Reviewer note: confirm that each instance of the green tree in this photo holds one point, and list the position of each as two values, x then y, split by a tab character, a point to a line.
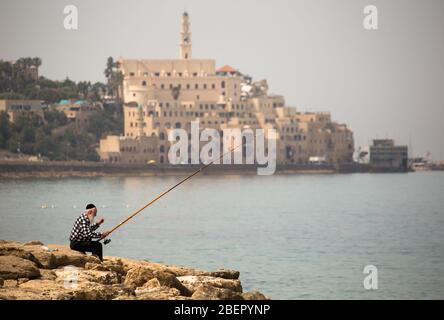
5	129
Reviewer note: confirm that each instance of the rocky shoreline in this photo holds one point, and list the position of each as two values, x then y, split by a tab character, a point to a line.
34	271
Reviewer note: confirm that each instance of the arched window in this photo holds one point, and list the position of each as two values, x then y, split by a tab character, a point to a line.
177	125
162	149
143	83
162	136
161	159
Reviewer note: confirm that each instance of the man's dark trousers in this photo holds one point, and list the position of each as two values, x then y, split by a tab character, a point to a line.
95	247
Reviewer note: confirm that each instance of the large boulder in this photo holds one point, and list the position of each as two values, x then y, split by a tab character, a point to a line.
46	274
42	254
225	273
13	267
18	250
137	276
64	256
157	293
193	282
46	290
33	243
169	280
80	275
207	292
254	295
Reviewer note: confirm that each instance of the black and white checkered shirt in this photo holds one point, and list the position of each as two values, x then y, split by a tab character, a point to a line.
83	230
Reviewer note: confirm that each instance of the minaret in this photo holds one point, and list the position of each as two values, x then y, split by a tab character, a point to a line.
185	38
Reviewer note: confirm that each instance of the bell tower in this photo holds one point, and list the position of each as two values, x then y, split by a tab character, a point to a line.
185	38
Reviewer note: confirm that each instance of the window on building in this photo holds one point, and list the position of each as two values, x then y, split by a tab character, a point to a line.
144	83
222	84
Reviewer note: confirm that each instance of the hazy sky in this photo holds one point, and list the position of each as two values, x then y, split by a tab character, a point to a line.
383	83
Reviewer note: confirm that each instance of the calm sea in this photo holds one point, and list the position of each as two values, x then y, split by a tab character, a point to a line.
291	237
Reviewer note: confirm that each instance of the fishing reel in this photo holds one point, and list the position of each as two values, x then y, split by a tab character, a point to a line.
106	241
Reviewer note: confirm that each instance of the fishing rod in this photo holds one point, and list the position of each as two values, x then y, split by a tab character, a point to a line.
106	241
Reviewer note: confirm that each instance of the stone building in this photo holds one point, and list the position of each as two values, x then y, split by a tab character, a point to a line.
163	94
385	154
17	107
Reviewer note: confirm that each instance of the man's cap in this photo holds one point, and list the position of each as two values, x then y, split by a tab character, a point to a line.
90	206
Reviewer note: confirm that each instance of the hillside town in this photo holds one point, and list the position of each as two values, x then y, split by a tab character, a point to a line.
128	119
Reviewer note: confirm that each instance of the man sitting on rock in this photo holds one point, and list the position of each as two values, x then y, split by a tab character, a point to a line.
82	233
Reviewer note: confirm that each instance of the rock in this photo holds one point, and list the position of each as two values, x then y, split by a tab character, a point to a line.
137	276
207	292
64	256
46	274
46	290
17	249
152	283
35	271
225	273
115	265
46	259
192	282
10	283
13	267
254	295
169	280
94	291
80	275
96	266
33	243
158	293
22	294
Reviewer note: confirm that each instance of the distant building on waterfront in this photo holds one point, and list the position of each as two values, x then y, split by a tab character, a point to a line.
18	107
76	111
384	154
162	94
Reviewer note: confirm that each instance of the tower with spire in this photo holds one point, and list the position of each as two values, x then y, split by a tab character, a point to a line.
185	38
